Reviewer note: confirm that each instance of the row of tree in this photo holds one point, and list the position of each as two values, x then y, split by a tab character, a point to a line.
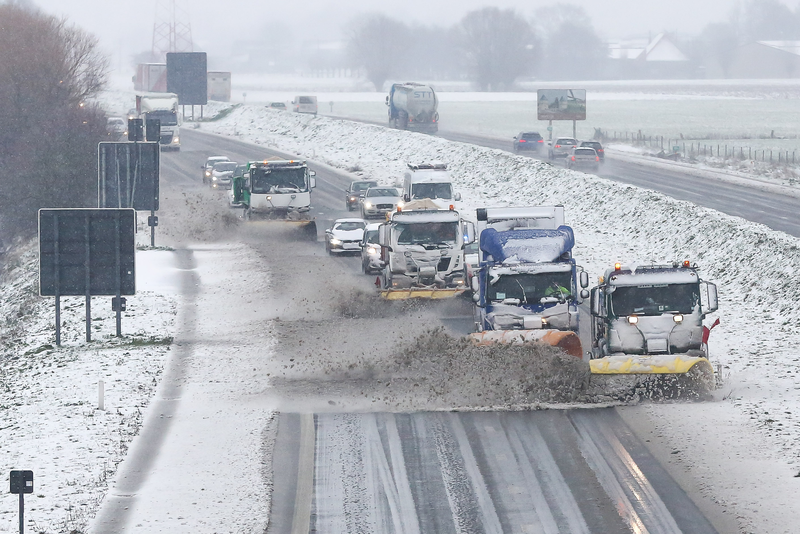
492	46
49	70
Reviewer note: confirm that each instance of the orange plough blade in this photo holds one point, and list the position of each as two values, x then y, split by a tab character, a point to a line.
567	341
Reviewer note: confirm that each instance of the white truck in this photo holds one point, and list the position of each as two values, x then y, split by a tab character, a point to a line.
429	181
412	106
648	319
422	252
163	107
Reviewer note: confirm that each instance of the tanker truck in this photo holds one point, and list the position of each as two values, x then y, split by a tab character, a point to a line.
528	285
412	106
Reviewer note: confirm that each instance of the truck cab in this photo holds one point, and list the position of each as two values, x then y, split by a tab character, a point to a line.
429	181
277	189
527	278
423	247
651	310
164	108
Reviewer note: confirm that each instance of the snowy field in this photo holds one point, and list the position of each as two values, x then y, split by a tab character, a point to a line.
758	408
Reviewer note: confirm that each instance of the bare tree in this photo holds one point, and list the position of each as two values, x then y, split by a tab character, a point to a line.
769	20
498	46
719	40
48	72
379	45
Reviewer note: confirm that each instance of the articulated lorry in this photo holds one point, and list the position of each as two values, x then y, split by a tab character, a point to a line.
412	106
277	190
648	319
164	108
528	285
422	252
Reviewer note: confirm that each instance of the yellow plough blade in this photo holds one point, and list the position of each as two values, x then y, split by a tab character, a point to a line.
567	341
649	364
420	293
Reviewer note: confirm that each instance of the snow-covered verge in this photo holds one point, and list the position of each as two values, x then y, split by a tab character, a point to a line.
50	421
755	268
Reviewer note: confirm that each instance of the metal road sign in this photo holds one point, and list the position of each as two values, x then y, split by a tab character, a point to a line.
128	175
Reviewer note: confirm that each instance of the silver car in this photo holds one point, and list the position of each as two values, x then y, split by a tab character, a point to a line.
370	250
378	201
222	174
562	147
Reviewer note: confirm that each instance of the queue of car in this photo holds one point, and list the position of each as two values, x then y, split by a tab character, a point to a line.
574	153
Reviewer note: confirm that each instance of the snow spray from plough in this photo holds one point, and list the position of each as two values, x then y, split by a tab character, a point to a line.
527	286
422	250
648	320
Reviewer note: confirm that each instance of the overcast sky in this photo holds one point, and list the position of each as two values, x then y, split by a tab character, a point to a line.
125	27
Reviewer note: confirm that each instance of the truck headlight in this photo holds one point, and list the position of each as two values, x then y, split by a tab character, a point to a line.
632	319
176	140
372	250
678	318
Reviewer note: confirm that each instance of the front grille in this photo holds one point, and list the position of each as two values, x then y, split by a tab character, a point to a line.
166	139
384	206
444	264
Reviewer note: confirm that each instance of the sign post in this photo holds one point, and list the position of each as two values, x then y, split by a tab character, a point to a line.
21	482
87	252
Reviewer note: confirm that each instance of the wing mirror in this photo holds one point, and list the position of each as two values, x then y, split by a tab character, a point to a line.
457	197
584	281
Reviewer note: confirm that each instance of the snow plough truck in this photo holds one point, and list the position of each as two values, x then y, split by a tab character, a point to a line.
277	190
422	251
648	319
527	287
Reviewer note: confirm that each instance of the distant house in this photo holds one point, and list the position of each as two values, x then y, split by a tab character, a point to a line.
658	57
766	59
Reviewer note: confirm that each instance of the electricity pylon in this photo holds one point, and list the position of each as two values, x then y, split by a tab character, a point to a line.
171	30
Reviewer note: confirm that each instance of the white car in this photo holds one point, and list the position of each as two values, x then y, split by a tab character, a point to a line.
370	250
209	165
345	236
378	201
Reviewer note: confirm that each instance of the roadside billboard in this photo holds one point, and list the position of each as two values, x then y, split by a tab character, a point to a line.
187	77
561	104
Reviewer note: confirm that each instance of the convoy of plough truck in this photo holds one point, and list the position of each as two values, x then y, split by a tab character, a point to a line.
645	321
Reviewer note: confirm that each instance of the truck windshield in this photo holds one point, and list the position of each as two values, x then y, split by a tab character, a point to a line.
530	288
278	180
167	118
427	233
654	299
432	190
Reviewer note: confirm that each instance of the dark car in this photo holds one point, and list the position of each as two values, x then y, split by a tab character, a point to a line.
597	148
277	105
528	141
355	192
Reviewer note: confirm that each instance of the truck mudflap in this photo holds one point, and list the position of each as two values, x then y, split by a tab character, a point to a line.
650	364
566	340
421	293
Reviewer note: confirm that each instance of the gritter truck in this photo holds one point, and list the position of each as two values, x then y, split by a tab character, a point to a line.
422	251
413	106
528	285
648	319
278	190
